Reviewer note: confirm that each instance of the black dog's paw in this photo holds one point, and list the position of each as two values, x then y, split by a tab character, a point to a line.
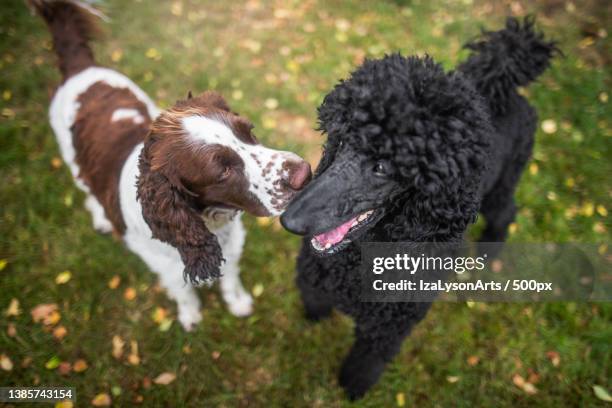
358	375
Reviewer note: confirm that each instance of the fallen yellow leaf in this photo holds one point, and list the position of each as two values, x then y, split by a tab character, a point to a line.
13	308
3	263
101	400
257	290
64	404
116	55
159	315
56	162
400	398
264	221
52	319
63	277
114	282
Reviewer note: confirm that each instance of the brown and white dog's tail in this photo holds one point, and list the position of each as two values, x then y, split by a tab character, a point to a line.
72	24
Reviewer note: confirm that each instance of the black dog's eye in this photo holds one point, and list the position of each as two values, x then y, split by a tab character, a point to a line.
380	169
340	144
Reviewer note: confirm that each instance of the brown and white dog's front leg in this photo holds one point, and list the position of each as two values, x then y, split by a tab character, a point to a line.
238	300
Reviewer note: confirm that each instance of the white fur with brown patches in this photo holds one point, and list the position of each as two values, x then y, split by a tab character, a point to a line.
124	114
263	167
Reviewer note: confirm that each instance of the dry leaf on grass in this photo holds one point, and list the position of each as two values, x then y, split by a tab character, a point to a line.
118	344
63	277
79	366
257	290
5	362
60	332
400	398
101	400
25	363
554	358
133	358
164	378
43	312
11	330
129	294
114	282
13	308
53	363
56	162
473	360
64	368
527	387
601	393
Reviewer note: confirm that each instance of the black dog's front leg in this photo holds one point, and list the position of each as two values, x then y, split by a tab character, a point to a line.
367	359
317	305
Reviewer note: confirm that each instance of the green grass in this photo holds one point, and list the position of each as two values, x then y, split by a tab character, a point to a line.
293	53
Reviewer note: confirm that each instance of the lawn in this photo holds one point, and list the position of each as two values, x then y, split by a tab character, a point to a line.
274	61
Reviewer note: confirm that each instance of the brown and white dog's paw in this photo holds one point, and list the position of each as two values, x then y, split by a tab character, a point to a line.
189	316
240	303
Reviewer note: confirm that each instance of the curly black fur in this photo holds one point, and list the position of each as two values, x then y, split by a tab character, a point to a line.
444	151
502	60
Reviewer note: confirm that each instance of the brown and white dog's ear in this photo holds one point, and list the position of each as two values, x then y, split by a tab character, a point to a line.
168	209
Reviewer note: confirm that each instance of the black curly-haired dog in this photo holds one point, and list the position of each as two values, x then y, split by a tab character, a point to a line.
413	153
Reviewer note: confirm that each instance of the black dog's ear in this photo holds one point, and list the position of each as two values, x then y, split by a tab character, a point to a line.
169	211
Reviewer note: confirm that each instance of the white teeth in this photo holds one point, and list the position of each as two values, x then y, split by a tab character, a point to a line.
354	224
327	246
369	212
362	217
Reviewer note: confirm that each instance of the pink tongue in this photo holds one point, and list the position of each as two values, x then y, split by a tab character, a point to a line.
334	236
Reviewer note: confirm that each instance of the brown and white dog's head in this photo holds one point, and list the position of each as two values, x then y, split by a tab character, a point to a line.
200	155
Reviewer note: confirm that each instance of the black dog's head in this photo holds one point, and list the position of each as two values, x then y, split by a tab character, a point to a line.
405	153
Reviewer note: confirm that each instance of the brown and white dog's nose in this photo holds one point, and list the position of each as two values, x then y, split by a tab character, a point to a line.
298	174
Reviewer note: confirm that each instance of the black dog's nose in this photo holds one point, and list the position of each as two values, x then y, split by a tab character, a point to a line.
292	221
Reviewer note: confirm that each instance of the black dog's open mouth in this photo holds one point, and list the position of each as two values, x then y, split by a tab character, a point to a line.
338	238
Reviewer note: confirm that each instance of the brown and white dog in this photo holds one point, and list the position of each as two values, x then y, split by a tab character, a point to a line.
172	183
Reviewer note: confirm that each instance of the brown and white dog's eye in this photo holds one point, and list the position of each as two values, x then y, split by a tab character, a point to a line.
227	171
